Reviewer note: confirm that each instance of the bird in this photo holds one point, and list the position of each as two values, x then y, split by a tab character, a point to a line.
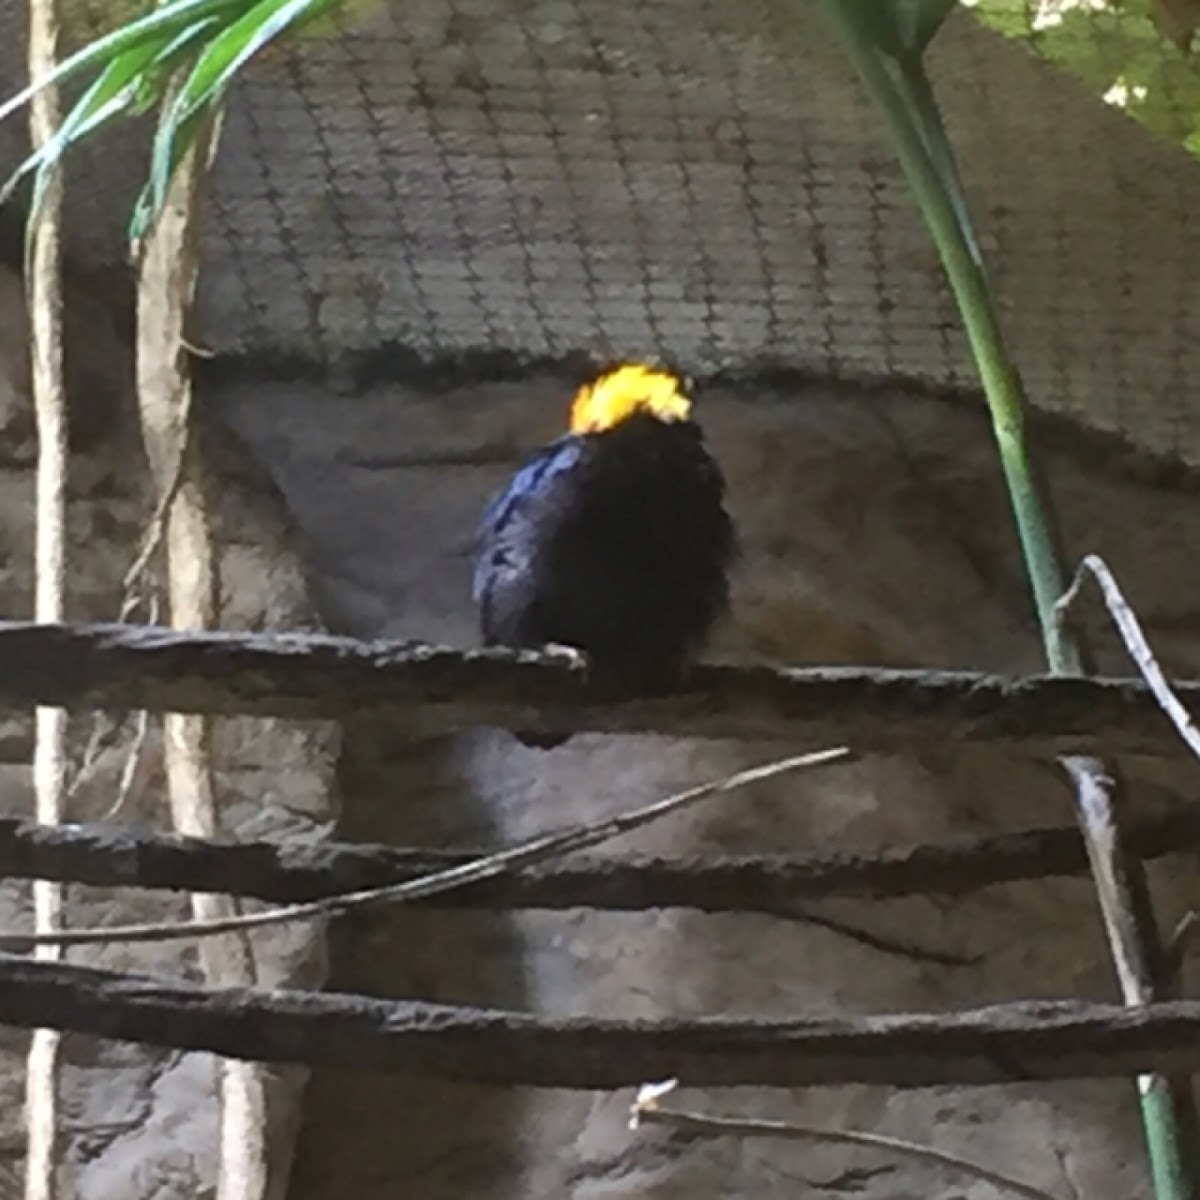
613	540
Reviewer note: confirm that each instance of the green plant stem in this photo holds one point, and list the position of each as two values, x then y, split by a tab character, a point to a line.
936	198
928	163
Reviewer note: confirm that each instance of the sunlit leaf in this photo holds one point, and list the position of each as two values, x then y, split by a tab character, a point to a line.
1120	54
231	49
114	91
151	86
168	153
169	20
204	43
215	67
108	96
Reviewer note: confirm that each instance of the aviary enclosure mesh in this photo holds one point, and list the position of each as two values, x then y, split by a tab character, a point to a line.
695	178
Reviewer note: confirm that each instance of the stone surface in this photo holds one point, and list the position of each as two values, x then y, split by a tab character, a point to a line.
875	529
141	1124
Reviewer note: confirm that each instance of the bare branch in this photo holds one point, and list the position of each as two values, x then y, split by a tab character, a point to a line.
441	689
647	1111
1145	969
108	856
1000	1044
1130	629
535	849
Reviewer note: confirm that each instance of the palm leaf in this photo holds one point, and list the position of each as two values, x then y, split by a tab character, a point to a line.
170	19
202	91
114	91
234	46
204	43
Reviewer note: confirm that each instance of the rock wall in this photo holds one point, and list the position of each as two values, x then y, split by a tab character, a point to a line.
875	529
140	1124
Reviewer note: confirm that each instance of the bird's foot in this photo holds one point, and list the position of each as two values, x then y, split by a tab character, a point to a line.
572	654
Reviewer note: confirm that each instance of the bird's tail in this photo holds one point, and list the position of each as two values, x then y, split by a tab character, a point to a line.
646	680
540	741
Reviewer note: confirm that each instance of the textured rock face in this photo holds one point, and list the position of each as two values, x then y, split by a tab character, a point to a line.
141	1124
875	529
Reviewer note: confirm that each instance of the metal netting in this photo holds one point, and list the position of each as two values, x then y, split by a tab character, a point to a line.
693	178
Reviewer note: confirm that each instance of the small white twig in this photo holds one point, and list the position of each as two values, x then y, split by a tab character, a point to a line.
647	1111
129	771
535	849
104	726
1131	633
1185	933
156	527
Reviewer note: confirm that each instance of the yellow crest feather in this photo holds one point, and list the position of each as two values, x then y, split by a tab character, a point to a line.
619	394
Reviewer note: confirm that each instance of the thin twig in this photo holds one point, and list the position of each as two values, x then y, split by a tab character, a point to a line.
135	591
104	855
1126	906
533	850
129	771
899	947
1135	642
1146	971
45	303
1179	946
646	1110
104	727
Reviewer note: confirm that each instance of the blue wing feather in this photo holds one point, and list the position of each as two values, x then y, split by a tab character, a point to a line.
537	471
532	477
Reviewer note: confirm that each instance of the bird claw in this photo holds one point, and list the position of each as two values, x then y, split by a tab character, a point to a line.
572	654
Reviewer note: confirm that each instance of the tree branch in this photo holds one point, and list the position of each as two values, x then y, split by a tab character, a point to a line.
648	1111
1000	1044
441	689
109	856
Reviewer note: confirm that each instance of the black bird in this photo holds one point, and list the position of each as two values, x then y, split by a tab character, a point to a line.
613	540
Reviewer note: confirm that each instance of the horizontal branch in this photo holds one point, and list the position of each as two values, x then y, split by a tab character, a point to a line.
110	856
1000	1044
293	675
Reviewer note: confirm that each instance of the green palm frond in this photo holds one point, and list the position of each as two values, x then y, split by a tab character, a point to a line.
182	56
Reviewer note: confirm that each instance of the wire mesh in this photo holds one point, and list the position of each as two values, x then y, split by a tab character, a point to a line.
688	178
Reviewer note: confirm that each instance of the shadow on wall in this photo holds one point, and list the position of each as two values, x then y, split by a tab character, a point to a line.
386	561
874	528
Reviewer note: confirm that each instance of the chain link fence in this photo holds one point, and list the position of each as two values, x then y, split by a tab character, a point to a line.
690	178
